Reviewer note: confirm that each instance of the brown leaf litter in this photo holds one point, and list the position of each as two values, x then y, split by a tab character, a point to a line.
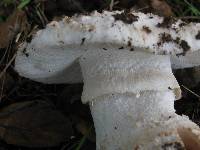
160	7
15	23
34	124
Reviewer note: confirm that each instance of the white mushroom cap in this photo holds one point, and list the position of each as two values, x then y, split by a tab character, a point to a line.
52	56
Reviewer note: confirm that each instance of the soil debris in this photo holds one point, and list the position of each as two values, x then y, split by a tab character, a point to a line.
198	36
126	17
166	23
175	145
184	46
146	29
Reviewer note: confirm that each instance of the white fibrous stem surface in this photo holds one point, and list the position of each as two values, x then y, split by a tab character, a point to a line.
133	105
51	56
127	122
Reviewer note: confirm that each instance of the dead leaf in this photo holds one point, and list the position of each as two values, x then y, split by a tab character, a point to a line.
161	7
33	124
85	127
17	22
6	82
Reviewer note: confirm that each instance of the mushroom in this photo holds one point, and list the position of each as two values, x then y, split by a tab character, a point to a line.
124	60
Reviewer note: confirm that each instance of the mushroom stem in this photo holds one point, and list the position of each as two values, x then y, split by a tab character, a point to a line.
131	101
125	121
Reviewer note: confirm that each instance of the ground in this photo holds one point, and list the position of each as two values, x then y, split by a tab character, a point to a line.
27	107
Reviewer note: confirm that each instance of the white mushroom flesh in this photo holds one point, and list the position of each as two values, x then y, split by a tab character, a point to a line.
52	55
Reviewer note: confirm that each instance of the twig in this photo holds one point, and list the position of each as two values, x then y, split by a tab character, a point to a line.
8	65
6	51
189	17
39	14
43	15
143	8
2	88
111	5
190	91
84	139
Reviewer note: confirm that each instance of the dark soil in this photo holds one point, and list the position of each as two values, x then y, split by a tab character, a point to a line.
67	98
